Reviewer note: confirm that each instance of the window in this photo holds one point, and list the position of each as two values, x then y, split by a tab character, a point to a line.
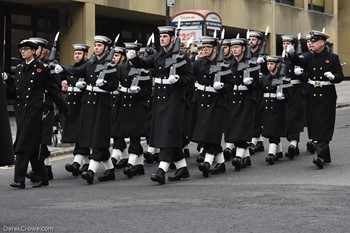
287	2
316	5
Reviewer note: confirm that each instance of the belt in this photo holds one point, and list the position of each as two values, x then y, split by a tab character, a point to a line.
204	88
115	92
269	95
124	89
162	81
240	88
320	83
73	89
95	89
295	81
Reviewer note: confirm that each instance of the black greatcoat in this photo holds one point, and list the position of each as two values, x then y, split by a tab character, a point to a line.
168	105
134	109
31	82
241	105
208	109
6	146
274	110
73	99
95	125
322	99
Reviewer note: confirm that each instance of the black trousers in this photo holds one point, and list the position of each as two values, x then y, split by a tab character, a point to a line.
171	154
241	144
119	143
213	149
21	166
275	140
81	150
322	148
135	146
293	136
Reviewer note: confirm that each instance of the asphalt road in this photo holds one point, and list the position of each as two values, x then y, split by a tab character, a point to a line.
290	196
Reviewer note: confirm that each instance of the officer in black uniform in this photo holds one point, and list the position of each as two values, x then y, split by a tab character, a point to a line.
324	70
32	79
96	114
209	106
72	122
169	102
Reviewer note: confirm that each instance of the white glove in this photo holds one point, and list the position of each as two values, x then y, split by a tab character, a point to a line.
58	69
298	70
247	80
4	76
131	54
260	60
260	75
279	96
135	89
100	82
218	85
290	49
329	75
173	78
80	84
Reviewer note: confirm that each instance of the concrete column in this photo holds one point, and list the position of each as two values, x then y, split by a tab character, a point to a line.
81	30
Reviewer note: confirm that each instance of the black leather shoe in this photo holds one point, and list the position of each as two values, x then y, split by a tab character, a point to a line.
318	162
311	147
237	163
246	162
187	153
107	175
251	148
32	177
227	154
49	172
88	176
204	168
41	183
270	159
128	170
218	168
138	170
19	185
297	151
278	155
259	147
200	158
159	176
84	168
179	173
73	168
121	163
292	151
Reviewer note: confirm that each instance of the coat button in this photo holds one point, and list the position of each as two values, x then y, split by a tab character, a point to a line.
33	73
94	102
208	105
31	81
88	102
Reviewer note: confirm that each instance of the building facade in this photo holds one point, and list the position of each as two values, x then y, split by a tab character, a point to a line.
79	20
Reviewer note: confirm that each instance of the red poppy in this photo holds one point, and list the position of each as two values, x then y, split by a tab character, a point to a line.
38	70
327	61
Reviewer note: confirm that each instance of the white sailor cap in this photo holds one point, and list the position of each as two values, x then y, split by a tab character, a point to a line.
238	41
166	30
226	42
288	38
102	39
255	34
40	41
81	47
271	58
119	49
208	40
133	45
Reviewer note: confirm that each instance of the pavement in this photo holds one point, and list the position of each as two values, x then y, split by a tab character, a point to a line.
343	92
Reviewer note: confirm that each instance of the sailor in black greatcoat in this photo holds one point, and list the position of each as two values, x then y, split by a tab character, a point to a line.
323	69
135	87
209	106
275	94
32	81
72	122
168	104
95	126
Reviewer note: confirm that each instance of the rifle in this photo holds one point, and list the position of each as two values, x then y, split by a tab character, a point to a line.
149	45
220	57
107	62
3	48
176	51
299	51
53	51
262	51
248	56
